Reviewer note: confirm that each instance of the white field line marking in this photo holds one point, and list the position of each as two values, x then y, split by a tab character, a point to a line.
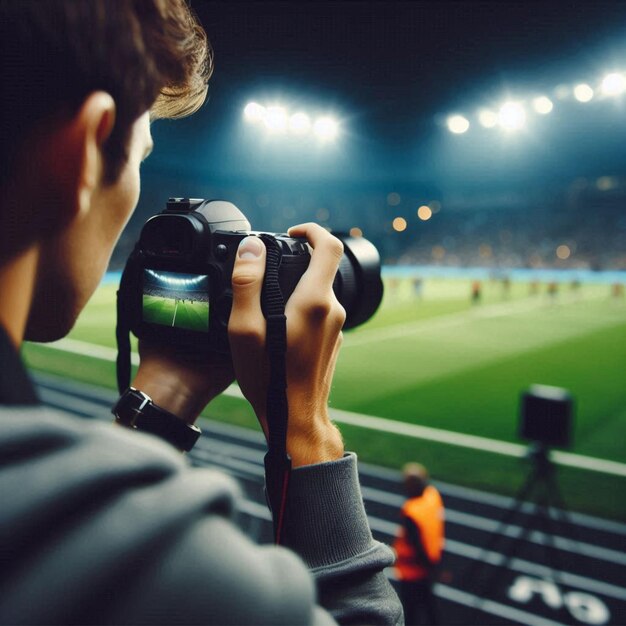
472	441
398	331
175	309
380	424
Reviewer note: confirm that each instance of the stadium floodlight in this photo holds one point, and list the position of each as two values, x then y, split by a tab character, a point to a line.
512	116
543	105
613	84
254	112
326	128
487	118
300	123
171	280
583	92
458	124
275	119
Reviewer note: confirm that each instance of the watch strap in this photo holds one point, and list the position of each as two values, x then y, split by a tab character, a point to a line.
135	409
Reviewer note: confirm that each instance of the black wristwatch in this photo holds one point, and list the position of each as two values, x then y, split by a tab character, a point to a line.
135	409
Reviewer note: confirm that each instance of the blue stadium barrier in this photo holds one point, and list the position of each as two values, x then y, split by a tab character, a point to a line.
515	274
482	273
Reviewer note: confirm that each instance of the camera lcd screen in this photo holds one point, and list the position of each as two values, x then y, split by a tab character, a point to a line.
176	300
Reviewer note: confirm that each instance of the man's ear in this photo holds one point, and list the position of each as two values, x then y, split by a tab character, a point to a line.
66	155
91	127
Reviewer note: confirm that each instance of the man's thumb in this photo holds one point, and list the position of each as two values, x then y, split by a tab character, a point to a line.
249	268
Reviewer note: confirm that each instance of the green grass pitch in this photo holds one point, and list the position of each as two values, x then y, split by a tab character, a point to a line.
439	361
179	314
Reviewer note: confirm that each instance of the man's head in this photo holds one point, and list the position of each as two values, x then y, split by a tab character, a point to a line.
415	479
82	80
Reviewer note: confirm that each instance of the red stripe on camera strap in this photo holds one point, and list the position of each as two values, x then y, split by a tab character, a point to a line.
277	461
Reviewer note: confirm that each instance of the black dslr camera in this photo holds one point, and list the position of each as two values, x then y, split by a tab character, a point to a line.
176	287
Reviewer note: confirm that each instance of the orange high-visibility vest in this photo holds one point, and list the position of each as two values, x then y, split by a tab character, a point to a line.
427	513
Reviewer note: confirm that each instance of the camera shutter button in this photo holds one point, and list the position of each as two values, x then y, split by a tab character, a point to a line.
221	252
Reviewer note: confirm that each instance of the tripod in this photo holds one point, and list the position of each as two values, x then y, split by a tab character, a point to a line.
541	492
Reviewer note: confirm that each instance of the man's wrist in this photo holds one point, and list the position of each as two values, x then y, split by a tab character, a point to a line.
313	446
169	392
136	410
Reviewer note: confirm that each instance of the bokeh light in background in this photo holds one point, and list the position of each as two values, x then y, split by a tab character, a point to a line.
583	92
458	124
254	112
399	224
563	252
326	128
511	116
393	199
543	105
435	206
487	118
275	119
424	212
613	84
300	123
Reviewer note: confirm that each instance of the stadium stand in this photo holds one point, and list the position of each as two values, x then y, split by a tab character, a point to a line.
196	296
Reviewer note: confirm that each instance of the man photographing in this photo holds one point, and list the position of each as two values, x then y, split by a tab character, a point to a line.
100	523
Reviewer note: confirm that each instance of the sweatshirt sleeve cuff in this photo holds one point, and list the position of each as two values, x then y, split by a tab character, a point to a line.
325	520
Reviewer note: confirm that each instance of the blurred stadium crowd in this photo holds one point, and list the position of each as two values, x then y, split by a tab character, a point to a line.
531	238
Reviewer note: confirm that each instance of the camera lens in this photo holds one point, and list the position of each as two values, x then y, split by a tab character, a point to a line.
358	285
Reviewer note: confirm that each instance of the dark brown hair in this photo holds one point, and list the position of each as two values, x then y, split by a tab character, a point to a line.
148	54
415	479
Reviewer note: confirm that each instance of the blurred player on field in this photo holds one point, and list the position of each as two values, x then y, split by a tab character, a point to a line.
476	292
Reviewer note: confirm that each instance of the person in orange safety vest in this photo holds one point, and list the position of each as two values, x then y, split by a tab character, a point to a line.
419	545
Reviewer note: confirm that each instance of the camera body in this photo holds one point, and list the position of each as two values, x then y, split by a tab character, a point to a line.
546	416
176	287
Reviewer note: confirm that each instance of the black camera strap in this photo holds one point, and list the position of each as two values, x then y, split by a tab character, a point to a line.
277	461
122	327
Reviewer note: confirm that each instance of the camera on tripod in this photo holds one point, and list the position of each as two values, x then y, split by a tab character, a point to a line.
546	416
176	287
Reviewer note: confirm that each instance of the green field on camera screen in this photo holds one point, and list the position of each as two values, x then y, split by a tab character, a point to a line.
186	314
432	358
